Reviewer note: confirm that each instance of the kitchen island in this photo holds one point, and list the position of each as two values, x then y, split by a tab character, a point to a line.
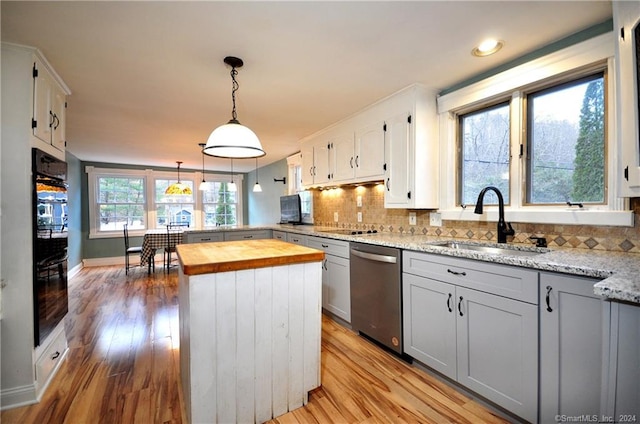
250	326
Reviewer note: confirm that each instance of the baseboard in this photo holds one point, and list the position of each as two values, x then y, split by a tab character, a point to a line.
18	396
75	270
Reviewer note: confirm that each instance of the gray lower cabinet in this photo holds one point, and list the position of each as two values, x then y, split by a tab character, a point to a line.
297	239
247	235
202	236
572	321
279	235
336	278
623	364
485	341
430	322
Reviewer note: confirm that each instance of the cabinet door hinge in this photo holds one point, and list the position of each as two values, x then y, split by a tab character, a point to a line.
384	128
409	195
35	71
409	119
34	123
622	33
626	173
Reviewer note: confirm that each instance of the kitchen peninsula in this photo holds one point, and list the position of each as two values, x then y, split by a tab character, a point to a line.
250	325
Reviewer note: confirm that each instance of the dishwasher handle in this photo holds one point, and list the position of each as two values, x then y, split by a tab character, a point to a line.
374	257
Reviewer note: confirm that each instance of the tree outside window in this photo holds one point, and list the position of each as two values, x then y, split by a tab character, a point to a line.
566	134
121	200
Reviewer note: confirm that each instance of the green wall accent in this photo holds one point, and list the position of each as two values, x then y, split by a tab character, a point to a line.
599	29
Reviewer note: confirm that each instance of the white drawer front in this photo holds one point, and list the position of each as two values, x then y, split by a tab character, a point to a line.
247	235
50	358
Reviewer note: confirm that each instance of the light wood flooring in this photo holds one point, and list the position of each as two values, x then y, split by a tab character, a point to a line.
122	366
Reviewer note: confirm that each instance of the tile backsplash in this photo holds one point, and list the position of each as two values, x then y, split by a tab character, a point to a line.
343	201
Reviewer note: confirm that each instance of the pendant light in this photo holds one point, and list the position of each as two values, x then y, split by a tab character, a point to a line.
233	140
232	186
204	185
178	189
256	187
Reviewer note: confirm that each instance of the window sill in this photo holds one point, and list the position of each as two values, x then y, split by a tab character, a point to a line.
573	216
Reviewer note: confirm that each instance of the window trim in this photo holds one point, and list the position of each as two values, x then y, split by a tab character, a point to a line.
150	176
512	84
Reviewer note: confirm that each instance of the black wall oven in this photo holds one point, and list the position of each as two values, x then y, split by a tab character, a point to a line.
49	243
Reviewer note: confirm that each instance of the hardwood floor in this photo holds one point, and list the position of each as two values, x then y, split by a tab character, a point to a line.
122	366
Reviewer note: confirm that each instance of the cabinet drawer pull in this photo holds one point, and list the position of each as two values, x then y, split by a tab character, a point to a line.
296	240
449	303
388	188
55	355
324	245
357	164
324	265
456	272
460	307
205	239
248	237
351	162
549	288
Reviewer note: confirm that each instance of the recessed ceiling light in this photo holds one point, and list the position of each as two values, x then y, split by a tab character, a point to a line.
487	47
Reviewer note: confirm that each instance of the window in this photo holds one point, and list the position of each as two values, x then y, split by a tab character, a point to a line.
561	147
566	143
134	196
173	209
220	206
484	152
120	201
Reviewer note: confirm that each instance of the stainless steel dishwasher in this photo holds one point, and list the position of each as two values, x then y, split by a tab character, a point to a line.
376	293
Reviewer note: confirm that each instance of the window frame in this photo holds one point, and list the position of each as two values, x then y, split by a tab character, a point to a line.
150	205
513	84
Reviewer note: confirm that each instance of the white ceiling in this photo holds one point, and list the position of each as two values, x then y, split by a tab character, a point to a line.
148	81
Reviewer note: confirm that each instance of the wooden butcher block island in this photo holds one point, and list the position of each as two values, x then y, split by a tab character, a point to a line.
250	326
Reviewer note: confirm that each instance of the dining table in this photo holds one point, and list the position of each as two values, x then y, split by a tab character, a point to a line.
155	239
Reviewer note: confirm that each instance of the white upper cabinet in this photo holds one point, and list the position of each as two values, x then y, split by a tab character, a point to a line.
411	150
49	106
393	140
626	21
342	153
315	162
369	157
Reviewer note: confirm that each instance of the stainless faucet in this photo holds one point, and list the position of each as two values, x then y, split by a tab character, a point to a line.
504	228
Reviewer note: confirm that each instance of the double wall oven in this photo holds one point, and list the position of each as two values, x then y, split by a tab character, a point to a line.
49	194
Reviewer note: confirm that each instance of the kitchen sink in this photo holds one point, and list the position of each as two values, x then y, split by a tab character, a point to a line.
492	249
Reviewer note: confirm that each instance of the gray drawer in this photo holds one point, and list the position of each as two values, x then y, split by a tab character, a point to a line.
503	280
247	235
202	236
330	246
279	235
297	239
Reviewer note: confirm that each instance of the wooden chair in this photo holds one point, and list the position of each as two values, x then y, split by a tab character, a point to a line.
172	229
128	250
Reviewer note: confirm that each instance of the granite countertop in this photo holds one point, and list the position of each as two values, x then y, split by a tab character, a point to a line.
207	258
620	272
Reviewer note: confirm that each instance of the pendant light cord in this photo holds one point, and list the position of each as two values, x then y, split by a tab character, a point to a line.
236	86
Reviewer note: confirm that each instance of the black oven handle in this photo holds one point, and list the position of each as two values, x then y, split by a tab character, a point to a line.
374	257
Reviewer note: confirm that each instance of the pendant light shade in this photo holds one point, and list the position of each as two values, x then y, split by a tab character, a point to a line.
178	189
233	140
